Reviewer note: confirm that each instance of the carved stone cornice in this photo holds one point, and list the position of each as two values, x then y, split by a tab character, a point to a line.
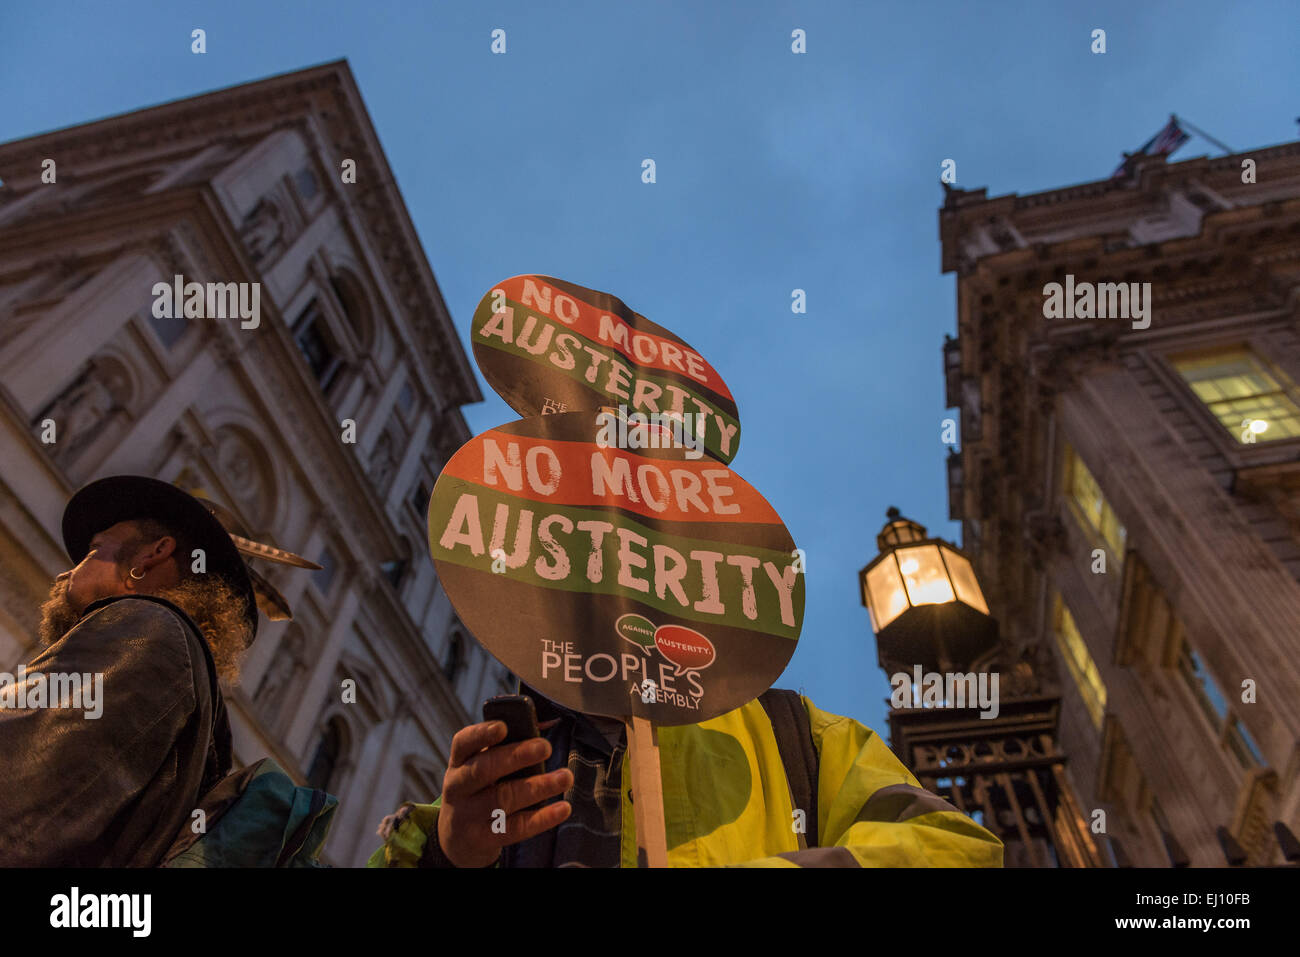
328	95
1058	362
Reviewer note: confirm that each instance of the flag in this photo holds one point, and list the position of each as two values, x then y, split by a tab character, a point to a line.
1170	137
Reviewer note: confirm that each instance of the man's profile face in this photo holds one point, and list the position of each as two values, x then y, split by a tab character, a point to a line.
103	574
100	573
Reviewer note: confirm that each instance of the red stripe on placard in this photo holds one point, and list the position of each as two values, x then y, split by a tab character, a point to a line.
587	320
679	491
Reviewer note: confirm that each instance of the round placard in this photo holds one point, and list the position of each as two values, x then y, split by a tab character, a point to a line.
545	345
616	581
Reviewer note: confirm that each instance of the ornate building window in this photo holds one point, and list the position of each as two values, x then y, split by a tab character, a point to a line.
395	572
1252	400
329	754
1091	507
1215	707
1080	664
1151	632
318	347
324	577
384	459
169	331
355	305
305	182
406	400
419	500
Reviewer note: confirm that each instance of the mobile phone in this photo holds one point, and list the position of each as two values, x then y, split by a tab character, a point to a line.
520	717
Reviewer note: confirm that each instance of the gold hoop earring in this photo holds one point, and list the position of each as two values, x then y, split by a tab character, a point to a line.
139	577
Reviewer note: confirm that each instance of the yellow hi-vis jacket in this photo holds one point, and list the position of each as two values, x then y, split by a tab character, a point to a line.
727	802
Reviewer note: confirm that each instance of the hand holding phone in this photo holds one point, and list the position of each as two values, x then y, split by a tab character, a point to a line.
520	717
495	786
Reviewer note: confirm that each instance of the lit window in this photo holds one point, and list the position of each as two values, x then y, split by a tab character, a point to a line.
1077	659
1252	402
1097	515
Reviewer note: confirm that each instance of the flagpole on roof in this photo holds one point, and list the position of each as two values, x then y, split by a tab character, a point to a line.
1201	133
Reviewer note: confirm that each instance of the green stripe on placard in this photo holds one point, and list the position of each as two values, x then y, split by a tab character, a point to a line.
712	441
577	545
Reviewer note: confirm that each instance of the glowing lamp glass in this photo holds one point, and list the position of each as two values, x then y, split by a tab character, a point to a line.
925	576
964	580
887	599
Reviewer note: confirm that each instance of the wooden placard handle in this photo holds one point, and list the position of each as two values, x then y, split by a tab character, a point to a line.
647	792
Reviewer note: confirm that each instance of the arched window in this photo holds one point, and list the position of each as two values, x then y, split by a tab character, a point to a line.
318	346
329	752
356	306
396	568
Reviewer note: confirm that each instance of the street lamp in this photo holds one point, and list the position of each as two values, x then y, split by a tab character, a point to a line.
924	600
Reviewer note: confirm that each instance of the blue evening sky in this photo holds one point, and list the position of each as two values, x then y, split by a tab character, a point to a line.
775	171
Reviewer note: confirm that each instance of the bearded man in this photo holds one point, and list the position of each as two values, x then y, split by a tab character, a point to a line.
160	603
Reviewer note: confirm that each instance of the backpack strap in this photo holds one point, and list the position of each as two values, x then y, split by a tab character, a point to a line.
794	740
299	837
215	803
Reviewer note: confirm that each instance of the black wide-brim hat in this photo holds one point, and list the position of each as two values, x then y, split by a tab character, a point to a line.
122	498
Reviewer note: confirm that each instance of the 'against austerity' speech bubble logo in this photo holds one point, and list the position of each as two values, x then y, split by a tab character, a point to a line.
684	647
637	629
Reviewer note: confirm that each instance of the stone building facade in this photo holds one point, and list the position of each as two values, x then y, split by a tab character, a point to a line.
248	185
1130	487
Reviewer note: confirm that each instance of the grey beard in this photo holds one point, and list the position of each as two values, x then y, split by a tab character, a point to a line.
57	614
